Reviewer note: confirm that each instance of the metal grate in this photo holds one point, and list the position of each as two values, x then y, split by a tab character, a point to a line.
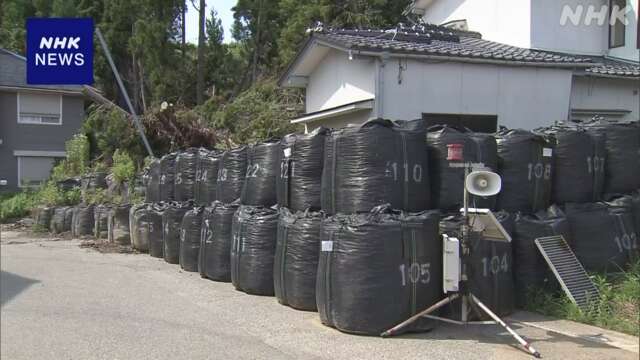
569	271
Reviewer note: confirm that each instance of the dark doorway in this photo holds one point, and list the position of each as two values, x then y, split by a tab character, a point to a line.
477	123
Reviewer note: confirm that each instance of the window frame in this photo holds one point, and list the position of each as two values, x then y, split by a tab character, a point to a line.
612	27
40	116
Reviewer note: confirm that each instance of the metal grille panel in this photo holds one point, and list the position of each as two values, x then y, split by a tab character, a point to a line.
569	271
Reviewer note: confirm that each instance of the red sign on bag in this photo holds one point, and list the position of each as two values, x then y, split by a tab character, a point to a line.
455	152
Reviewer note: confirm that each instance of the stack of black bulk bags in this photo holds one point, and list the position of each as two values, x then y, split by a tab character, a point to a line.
579	161
206	176
378	269
118	224
101	221
171	228
447	182
82	222
185	179
604	235
153	233
489	268
253	249
299	179
215	242
152	182
190	239
622	164
296	258
525	162
378	162
531	272
259	187
167	177
231	174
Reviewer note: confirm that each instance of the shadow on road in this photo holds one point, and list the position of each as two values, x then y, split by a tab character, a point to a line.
12	285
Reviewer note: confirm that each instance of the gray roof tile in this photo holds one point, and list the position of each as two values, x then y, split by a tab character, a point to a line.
440	41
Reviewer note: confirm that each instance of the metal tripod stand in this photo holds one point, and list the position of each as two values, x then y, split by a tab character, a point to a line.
468	300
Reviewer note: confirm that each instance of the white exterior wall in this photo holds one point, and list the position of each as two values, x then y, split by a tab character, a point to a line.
505	21
338	81
537	24
340	121
607	94
548	33
521	97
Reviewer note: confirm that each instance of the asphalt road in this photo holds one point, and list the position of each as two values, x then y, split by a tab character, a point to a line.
60	301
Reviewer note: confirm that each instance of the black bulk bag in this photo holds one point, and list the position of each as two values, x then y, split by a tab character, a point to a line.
525	164
296	260
231	174
622	164
118	224
489	267
531	271
378	269
153	231
185	180
138	219
58	223
253	249
94	181
604	235
152	182
82	222
42	217
299	181
579	158
260	182
101	221
376	163
68	218
190	239
215	242
447	182
171	225
207	176
167	177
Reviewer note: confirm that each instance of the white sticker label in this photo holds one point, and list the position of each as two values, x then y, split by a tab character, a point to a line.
287	152
547	152
327	246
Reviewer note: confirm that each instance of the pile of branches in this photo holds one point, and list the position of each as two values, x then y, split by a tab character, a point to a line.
177	127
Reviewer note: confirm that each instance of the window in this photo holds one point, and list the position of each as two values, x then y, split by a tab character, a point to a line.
617	30
39	109
34	170
477	123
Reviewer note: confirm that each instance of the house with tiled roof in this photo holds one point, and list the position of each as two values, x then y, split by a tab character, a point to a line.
453	74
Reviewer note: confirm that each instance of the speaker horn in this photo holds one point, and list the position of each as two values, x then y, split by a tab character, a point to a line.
483	183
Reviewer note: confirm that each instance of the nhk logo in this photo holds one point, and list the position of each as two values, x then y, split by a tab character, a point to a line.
60	51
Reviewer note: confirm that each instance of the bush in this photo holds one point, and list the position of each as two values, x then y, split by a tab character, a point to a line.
124	169
16	205
619	308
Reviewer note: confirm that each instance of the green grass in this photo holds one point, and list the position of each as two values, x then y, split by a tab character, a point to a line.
618	310
16	206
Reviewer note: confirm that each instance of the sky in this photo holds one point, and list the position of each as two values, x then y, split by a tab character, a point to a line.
223	7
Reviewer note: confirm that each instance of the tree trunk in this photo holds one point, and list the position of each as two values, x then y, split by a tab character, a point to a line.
200	65
184	28
256	52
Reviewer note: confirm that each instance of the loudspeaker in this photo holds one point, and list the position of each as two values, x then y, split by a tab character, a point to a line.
483	183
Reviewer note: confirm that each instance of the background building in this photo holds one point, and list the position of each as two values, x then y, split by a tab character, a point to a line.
35	123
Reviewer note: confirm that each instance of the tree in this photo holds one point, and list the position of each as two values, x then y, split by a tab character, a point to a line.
201	43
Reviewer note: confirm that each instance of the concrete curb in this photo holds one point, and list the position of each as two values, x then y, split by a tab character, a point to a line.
577	330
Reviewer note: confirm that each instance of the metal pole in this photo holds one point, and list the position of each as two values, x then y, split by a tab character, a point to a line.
495	317
136	120
415	317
